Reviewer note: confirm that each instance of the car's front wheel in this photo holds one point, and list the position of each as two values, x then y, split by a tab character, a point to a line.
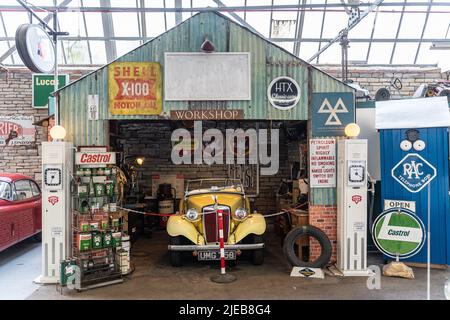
258	254
176	257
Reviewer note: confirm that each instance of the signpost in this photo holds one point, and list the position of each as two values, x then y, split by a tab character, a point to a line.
398	233
414	173
43	86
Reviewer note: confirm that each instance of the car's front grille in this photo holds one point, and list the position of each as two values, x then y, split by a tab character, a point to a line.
211	223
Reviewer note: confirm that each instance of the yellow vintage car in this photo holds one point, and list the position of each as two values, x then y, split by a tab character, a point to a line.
195	227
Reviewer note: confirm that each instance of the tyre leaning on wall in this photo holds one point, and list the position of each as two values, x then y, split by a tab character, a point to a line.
293	236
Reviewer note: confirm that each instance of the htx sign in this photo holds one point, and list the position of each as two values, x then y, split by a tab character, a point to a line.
413	172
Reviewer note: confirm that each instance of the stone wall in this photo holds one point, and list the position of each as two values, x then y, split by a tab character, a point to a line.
16	99
372	78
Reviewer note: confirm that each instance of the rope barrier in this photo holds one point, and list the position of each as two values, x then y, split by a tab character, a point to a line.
202	213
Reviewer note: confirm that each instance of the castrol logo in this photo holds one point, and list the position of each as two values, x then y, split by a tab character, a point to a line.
95	158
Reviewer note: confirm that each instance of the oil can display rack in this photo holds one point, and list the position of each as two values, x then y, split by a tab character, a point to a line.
97	255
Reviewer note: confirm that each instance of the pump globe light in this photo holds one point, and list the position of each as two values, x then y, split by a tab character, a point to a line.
352	130
57	132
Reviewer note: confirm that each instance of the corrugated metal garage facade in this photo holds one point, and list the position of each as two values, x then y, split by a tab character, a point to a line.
268	61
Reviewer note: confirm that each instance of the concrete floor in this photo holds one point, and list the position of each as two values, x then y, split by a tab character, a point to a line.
19	266
154	278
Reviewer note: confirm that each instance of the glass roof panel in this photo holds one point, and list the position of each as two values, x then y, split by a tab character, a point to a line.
86	29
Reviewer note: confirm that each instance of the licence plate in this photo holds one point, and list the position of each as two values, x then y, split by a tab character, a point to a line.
207	255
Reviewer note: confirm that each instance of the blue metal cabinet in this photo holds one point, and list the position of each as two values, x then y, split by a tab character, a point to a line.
436	153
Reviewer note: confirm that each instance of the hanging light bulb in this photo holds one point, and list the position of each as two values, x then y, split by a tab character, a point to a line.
57	132
352	130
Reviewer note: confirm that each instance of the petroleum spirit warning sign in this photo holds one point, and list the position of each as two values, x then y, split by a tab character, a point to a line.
135	88
323	163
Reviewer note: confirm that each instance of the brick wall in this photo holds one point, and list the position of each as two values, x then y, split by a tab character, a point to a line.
152	139
372	78
16	99
324	218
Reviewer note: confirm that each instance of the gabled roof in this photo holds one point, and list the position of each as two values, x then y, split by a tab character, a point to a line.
189	21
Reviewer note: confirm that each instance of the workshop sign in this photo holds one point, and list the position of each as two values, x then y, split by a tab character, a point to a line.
413	172
135	88
398	232
212	114
43	86
17	130
322	172
331	112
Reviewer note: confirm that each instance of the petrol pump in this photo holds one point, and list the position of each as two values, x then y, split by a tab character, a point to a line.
352	204
57	169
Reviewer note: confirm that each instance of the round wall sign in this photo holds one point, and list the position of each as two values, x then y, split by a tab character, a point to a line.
35	48
283	93
398	232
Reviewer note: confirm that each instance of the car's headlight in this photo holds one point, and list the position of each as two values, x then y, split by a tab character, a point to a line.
192	214
240	213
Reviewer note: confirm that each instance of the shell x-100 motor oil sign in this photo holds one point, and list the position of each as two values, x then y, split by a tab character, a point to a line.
134	88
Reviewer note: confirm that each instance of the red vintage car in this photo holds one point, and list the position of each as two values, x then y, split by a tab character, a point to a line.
20	209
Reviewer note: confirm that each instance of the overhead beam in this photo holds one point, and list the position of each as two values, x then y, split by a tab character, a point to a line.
108	31
398	32
289	7
299	30
178	12
423	30
47	18
345	30
221	5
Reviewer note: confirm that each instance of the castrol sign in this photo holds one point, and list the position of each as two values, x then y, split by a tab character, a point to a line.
95	159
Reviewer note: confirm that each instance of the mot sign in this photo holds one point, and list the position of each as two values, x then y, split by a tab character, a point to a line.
322	163
331	112
413	172
398	232
43	86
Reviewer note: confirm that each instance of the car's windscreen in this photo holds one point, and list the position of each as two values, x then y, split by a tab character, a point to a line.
5	190
211	184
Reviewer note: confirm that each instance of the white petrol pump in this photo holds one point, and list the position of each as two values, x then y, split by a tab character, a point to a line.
352	207
57	169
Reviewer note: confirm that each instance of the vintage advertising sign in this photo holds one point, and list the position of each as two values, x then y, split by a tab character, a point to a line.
43	86
95	159
17	130
398	232
135	88
331	112
322	172
212	114
283	93
413	172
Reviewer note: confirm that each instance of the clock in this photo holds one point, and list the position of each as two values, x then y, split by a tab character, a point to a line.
53	176
356	173
35	48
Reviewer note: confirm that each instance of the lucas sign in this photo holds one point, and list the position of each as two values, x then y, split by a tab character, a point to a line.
398	232
43	86
134	88
413	172
322	163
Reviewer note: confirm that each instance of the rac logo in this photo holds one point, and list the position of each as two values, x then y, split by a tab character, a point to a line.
413	168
